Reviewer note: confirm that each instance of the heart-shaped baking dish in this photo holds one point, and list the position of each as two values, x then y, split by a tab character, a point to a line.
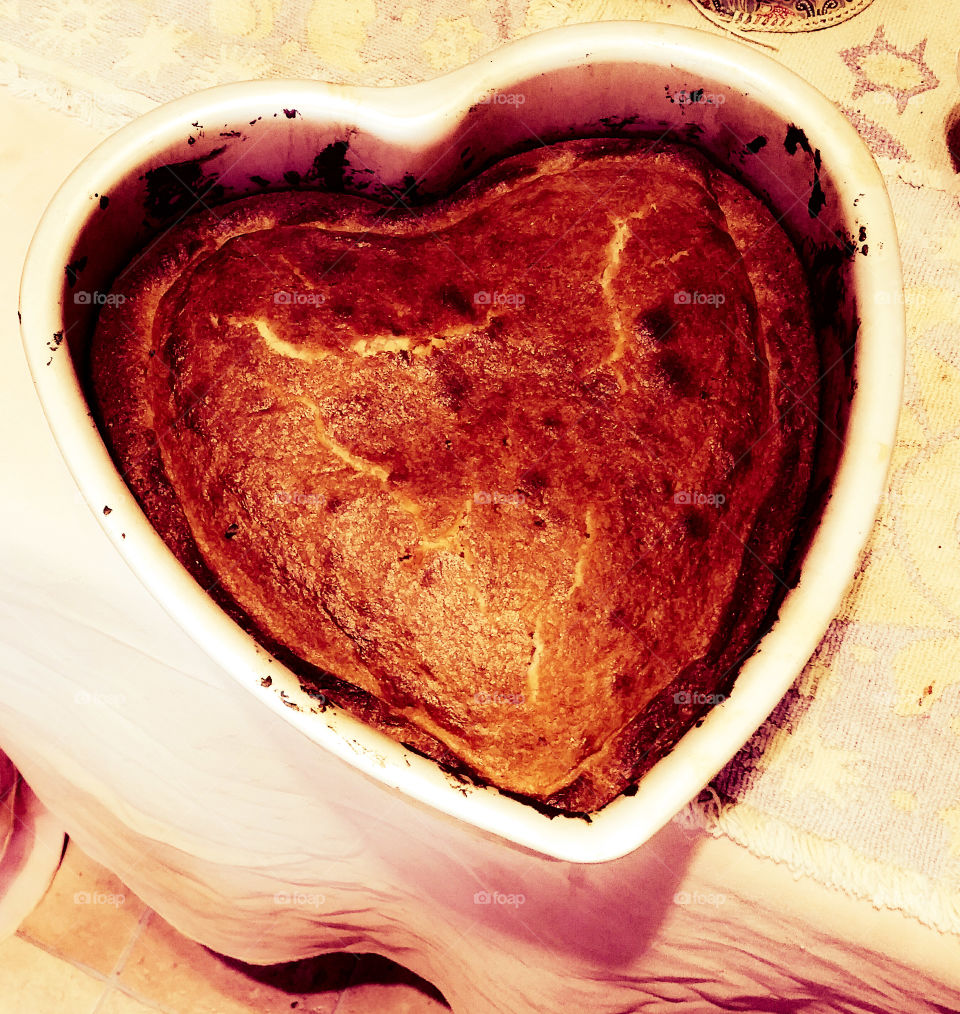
755	118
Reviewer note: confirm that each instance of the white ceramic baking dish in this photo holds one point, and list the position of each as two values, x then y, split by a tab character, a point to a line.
780	134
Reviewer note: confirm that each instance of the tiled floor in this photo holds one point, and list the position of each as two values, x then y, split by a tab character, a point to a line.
92	947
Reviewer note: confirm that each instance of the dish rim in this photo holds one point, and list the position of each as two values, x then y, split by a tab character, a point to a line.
437	105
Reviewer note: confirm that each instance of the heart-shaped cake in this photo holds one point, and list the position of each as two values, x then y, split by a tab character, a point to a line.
512	475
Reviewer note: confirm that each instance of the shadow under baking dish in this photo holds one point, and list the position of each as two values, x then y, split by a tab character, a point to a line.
752	116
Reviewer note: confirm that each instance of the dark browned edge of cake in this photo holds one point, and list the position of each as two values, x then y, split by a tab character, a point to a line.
770	567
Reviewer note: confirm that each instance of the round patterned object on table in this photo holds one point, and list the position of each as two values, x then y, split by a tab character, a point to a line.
780	15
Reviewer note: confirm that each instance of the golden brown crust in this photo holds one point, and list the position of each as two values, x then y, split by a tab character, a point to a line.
520	466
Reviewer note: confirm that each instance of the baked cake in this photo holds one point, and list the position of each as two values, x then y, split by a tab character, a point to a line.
513	476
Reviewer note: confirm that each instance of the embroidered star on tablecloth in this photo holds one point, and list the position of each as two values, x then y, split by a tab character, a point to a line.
161	45
879	66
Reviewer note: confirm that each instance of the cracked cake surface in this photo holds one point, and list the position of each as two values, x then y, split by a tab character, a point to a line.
513	474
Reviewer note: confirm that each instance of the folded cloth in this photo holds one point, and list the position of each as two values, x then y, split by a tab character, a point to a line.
31	846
